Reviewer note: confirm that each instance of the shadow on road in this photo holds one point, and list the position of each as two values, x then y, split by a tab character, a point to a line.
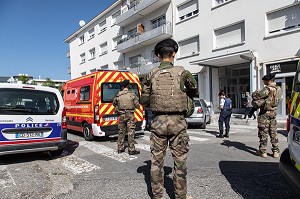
240	146
248	179
169	185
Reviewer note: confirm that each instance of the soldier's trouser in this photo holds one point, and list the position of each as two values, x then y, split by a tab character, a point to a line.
267	125
126	124
169	129
224	117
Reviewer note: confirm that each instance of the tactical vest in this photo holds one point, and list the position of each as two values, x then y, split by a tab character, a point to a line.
166	95
274	97
125	100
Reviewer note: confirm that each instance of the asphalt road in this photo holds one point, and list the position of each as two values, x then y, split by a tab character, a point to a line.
217	168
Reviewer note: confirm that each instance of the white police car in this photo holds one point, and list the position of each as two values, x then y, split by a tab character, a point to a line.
32	118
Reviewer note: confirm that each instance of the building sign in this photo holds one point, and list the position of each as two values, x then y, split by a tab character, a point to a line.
284	67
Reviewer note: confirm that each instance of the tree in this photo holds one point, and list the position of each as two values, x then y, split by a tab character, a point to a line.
24	79
49	83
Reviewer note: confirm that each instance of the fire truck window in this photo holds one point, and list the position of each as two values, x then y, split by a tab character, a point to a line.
68	92
110	91
85	93
73	91
134	88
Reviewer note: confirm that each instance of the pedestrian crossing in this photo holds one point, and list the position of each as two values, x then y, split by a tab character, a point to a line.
76	163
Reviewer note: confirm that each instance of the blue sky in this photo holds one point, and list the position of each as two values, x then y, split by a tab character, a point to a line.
33	32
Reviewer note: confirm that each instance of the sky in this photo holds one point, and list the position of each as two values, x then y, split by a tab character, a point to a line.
32	35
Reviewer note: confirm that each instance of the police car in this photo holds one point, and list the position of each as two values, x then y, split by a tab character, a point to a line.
32	118
289	164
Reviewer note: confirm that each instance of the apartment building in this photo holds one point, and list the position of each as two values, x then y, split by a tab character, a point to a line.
227	44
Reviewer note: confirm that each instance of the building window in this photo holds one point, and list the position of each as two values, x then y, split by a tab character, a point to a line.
82	58
134	61
102	26
219	2
229	36
187	10
159	21
189	47
92	53
103	48
118	65
105	67
83	73
114	17
115	42
81	39
85	93
91	33
284	20
132	33
93	70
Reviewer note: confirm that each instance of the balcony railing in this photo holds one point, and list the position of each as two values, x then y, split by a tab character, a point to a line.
151	34
143	67
137	9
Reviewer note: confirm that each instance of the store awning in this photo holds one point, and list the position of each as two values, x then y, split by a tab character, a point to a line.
225	60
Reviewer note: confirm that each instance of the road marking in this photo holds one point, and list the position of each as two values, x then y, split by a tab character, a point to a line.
106	151
145	147
193	138
76	165
202	133
6	179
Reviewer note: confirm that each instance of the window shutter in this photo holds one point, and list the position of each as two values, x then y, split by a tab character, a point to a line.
189	47
230	35
187	8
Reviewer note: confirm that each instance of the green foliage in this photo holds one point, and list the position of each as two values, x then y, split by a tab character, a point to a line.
24	79
49	83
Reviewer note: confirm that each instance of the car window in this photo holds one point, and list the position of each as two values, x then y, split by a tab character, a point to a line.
203	102
110	90
27	102
197	102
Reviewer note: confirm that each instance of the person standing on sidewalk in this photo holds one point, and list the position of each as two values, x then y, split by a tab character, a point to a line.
125	102
248	106
225	114
266	100
163	90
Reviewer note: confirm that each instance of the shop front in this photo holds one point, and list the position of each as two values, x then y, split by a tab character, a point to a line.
285	72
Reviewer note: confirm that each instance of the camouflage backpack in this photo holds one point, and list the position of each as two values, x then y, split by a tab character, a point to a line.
277	96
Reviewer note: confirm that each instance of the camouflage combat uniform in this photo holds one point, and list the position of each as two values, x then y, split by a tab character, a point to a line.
267	124
168	126
126	101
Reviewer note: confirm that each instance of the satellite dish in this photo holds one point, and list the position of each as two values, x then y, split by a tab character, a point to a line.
81	23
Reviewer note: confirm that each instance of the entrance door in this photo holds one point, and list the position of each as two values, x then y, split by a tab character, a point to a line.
281	107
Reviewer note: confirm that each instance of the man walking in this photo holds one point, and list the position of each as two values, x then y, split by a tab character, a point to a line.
248	106
163	90
266	100
125	102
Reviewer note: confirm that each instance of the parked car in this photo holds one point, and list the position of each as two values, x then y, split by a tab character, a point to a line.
32	118
201	115
289	164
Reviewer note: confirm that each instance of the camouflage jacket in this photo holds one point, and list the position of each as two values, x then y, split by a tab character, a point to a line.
186	80
263	98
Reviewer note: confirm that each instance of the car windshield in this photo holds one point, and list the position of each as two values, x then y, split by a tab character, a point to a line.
28	102
197	102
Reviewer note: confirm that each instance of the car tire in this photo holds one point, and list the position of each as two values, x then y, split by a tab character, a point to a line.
203	126
56	152
87	132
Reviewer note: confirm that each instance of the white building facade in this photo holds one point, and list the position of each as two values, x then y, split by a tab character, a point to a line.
227	44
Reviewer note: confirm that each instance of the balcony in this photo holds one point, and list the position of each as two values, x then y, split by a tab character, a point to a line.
137	9
150	36
143	67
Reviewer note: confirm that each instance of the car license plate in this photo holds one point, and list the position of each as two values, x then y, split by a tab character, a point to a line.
296	137
29	135
110	118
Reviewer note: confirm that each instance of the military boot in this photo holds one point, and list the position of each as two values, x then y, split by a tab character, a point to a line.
135	152
261	154
275	154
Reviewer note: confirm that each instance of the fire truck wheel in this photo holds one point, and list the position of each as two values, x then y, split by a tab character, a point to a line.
87	132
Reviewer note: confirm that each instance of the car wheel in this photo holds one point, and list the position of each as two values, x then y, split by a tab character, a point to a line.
56	152
203	126
87	132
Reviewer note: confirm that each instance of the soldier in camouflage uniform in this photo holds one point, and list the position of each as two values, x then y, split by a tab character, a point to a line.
267	124
163	90
125	102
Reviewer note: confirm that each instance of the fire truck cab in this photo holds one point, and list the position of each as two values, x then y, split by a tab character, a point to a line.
88	101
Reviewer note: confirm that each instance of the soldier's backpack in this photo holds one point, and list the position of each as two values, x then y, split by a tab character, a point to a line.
277	97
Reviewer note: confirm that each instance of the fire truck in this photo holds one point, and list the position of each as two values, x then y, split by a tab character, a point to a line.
88	101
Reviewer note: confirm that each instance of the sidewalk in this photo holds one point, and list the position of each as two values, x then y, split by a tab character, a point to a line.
237	119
